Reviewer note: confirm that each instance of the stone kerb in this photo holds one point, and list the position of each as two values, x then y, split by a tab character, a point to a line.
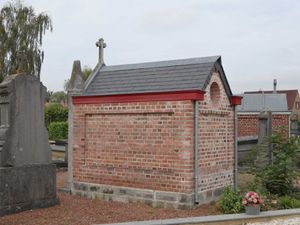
232	219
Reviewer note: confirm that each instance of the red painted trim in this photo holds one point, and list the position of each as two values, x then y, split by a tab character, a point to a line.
143	97
236	100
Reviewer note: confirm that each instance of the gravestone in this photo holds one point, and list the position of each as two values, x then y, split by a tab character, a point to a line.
27	175
264	148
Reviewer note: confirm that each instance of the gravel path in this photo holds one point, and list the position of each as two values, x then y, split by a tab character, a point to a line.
74	210
291	221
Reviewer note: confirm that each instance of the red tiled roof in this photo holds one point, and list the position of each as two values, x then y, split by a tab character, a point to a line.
290	95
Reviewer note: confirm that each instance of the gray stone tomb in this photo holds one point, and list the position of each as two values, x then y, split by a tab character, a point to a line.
27	175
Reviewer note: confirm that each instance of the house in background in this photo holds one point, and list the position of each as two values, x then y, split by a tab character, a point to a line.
160	132
293	102
292	97
255	103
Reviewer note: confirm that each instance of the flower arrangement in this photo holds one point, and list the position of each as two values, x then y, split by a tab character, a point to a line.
252	198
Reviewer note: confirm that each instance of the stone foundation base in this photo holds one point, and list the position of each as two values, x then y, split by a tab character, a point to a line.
149	197
27	187
206	197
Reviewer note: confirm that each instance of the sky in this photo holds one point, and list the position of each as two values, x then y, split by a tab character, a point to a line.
259	40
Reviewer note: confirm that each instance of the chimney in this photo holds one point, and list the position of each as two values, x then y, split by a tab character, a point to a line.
274	86
101	45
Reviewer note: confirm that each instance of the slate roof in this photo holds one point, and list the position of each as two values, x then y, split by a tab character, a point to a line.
290	96
163	76
263	102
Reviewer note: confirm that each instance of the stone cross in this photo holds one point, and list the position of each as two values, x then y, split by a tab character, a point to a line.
101	45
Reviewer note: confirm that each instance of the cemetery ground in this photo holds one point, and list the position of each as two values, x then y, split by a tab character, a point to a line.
75	210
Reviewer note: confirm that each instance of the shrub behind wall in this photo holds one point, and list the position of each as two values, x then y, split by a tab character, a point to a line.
58	130
55	113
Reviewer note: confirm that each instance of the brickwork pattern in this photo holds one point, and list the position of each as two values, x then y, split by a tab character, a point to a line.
150	145
141	144
216	139
248	125
280	124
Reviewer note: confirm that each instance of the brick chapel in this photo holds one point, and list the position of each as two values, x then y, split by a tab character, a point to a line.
162	133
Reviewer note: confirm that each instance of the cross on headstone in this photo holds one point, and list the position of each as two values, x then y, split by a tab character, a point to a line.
101	45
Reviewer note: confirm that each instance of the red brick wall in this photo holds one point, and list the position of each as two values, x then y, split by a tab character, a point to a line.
216	138
142	145
280	124
151	144
248	124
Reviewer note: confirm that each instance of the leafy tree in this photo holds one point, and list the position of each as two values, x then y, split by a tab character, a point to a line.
48	96
21	30
86	72
58	97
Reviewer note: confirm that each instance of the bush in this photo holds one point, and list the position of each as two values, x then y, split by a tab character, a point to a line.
278	178
58	130
257	186
231	201
288	202
55	113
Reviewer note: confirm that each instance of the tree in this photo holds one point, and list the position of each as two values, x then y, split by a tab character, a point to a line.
58	97
85	75
48	96
21	31
86	72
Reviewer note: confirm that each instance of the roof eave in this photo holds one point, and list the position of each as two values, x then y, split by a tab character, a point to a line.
140	97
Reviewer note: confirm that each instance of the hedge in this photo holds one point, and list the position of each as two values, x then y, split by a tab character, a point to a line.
55	113
58	130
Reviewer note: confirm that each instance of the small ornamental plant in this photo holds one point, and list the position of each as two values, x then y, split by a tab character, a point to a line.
252	198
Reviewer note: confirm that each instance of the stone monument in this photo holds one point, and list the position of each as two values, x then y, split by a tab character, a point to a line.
27	175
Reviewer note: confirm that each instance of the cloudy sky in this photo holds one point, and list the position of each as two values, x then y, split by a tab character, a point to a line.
259	40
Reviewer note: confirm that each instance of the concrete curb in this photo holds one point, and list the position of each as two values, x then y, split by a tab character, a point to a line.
217	218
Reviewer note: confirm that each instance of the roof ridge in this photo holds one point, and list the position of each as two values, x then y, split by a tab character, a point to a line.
260	91
263	93
164	63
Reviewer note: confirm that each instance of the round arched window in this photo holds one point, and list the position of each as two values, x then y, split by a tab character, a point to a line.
214	93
